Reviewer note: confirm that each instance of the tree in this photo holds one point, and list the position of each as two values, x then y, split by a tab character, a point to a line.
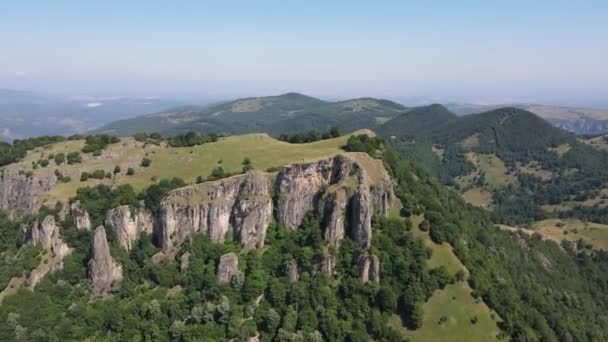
117	169
130	171
247	166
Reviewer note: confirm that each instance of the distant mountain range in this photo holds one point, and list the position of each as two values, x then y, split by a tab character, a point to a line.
295	112
25	114
288	113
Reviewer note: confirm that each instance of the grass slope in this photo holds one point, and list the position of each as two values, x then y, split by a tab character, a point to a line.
572	230
454	302
187	163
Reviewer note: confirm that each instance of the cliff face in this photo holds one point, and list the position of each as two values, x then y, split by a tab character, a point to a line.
331	186
19	193
129	223
346	191
240	205
46	234
103	270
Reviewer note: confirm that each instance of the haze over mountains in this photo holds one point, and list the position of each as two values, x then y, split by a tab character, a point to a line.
27	114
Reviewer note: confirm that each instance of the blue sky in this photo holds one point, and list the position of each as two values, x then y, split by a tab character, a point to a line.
480	51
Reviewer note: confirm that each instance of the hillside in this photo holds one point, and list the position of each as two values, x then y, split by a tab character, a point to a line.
317	241
576	120
508	160
275	115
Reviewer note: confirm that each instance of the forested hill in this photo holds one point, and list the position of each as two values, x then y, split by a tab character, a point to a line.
288	113
508	160
506	129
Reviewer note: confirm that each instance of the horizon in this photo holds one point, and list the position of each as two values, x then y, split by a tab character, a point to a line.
470	52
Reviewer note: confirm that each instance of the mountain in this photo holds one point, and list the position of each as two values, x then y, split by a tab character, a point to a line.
508	160
247	237
576	120
287	113
418	122
27	114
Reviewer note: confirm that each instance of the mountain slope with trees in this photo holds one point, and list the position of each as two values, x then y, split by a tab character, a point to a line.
287	113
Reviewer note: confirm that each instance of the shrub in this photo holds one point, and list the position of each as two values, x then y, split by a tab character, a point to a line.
146	162
74	158
59	158
130	171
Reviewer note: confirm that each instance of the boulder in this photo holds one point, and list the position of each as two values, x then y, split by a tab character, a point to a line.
228	266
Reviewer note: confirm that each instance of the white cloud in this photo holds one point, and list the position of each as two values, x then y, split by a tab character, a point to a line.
20	73
94	104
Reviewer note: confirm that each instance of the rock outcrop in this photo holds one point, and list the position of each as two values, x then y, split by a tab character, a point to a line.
46	234
80	216
239	205
331	186
129	224
369	268
19	192
184	261
103	270
228	266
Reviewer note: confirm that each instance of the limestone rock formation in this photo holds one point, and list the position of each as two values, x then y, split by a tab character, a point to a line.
129	224
80	216
19	192
103	270
184	261
361	220
330	186
369	268
228	266
46	234
294	271
240	205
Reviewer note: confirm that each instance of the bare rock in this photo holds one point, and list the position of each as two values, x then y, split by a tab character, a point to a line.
369	268
19	192
47	235
103	270
129	224
241	205
80	216
229	265
184	261
294	271
361	220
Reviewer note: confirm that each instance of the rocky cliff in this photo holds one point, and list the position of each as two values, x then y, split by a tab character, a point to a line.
331	186
103	270
239	205
346	191
46	234
19	192
129	223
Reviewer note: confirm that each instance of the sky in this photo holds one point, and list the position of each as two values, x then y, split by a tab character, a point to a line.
450	51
